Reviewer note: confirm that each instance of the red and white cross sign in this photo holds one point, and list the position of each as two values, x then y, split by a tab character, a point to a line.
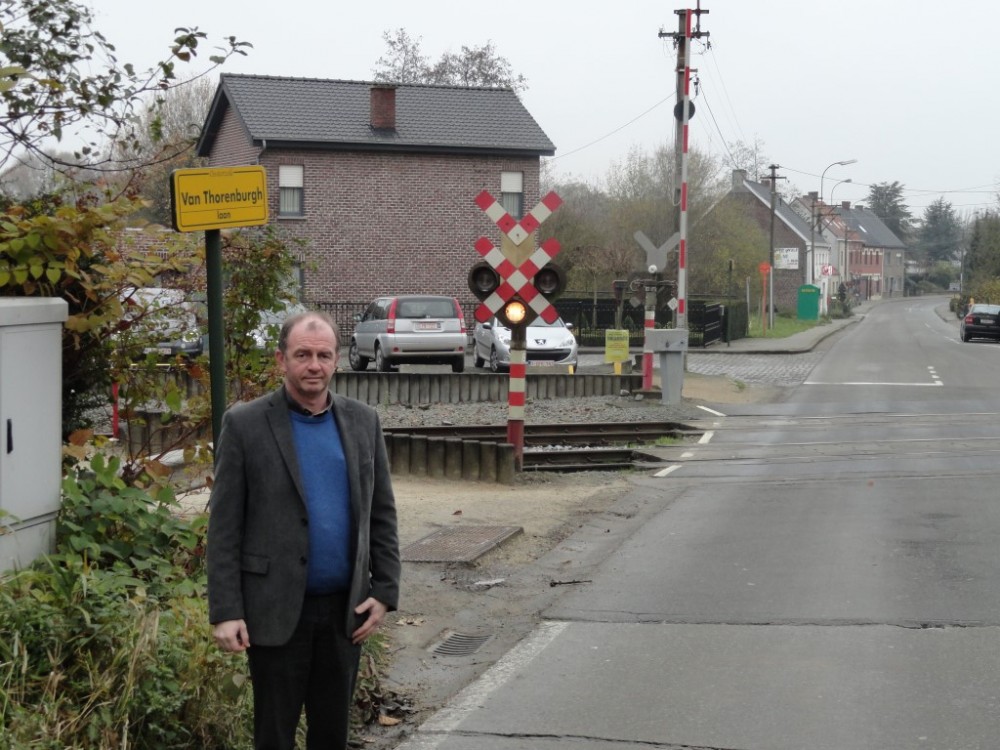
517	279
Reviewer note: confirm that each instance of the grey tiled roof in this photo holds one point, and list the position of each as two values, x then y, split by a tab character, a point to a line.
869	228
782	210
315	113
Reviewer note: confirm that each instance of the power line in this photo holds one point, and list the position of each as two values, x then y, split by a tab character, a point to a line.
616	130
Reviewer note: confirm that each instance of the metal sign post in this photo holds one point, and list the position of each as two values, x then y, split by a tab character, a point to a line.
210	200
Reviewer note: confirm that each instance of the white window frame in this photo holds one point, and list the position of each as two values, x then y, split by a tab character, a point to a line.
512	193
291	190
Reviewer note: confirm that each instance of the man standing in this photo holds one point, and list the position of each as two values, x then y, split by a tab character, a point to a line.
303	554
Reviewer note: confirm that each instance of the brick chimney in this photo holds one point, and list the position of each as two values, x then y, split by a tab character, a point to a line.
739	175
845	204
383	107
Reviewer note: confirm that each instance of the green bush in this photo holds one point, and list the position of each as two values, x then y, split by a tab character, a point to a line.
106	643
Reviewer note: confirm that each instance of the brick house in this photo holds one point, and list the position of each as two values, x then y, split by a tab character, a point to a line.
791	236
379	179
876	258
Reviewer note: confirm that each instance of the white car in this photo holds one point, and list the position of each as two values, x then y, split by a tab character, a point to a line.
163	321
547	344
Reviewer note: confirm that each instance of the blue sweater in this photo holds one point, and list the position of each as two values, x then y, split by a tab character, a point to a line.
328	501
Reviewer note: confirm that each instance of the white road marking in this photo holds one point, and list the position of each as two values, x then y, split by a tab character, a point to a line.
861	382
475	695
706	437
666	471
711	411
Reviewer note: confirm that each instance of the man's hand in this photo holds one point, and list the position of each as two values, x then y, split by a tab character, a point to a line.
376	613
231	635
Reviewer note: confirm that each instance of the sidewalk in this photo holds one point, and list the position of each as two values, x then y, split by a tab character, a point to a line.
803	341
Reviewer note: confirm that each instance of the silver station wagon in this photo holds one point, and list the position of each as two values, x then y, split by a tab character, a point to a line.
409	329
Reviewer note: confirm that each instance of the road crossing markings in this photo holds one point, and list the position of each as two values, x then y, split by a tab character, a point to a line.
705	438
933	374
711	411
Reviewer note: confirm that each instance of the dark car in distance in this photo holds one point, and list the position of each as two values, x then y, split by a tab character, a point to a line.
981	321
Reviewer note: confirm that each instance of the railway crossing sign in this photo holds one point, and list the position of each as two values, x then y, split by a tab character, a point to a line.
656	257
516	282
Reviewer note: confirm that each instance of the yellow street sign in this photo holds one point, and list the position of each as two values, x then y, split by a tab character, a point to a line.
218	197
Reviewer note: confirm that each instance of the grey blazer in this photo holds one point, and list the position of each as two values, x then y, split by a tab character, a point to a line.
258	542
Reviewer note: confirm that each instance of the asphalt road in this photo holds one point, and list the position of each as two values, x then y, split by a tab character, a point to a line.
819	573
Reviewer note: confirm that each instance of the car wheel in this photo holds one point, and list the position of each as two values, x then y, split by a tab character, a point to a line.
495	365
357	362
458	364
382	363
963	337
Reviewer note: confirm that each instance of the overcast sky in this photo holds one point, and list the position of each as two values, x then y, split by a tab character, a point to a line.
906	87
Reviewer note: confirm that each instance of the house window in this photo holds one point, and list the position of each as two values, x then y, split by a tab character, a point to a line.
512	193
290	190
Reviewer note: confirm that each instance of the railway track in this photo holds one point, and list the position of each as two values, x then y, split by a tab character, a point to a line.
589	433
568	446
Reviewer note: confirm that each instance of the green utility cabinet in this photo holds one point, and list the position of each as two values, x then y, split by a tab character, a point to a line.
808	302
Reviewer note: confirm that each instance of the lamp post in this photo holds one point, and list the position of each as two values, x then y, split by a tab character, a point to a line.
810	256
839	182
840	264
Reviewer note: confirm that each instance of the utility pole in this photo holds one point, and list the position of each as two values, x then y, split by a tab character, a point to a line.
774	205
683	111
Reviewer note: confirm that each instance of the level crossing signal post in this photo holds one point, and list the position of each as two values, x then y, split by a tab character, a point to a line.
517	283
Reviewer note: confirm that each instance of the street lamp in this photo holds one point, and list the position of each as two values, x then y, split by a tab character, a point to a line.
811	255
839	182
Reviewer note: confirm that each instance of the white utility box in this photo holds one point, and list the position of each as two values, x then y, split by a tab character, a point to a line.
30	426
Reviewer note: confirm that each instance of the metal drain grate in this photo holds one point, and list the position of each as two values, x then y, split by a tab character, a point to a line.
458	544
460	644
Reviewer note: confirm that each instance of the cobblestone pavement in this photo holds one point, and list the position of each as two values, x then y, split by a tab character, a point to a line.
772	369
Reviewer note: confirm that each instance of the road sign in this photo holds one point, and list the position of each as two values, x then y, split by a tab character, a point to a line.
516	279
218	197
764	268
657	256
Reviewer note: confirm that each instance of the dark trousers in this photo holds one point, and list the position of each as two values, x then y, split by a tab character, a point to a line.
316	669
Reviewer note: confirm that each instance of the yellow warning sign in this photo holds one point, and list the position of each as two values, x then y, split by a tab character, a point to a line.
615	346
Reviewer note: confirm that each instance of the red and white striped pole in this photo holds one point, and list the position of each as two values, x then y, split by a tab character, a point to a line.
685	118
648	324
516	391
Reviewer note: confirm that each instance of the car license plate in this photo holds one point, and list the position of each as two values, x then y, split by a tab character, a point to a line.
422	326
541	362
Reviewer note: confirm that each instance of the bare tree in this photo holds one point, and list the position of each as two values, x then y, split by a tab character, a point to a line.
404	62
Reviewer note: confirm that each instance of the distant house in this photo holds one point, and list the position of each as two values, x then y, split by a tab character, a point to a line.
876	262
379	179
791	237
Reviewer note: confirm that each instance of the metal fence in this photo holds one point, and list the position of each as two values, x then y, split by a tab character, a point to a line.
588	315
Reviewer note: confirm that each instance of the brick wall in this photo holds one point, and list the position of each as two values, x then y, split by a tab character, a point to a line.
232	147
378	223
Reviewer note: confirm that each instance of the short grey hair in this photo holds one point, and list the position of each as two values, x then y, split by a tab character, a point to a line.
294	320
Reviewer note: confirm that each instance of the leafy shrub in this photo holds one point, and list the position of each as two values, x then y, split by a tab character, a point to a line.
107	643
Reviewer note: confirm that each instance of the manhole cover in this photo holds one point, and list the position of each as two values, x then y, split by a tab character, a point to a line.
459	544
460	644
